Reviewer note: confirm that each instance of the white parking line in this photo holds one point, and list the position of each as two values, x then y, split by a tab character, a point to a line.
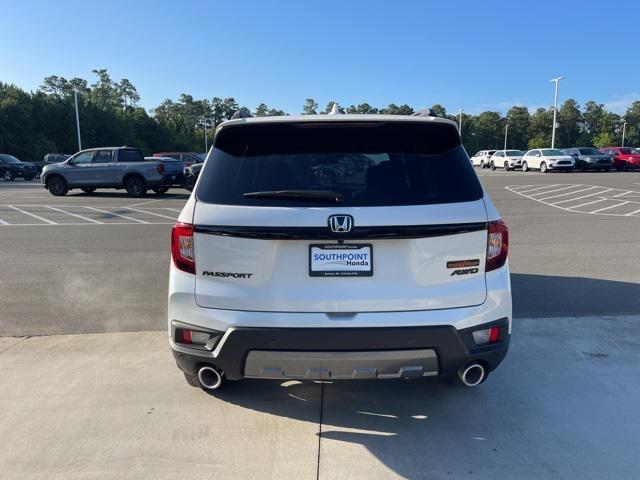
174	209
74	214
630	214
607	208
517	188
583	196
537	188
78	224
116	214
120	212
555	190
151	213
168	197
38	217
585	204
569	193
593	198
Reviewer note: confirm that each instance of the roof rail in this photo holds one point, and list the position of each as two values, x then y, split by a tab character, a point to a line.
425	112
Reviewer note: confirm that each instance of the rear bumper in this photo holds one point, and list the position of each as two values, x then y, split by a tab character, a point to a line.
176	179
167	181
345	353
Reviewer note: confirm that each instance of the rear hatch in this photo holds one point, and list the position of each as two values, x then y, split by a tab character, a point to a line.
339	216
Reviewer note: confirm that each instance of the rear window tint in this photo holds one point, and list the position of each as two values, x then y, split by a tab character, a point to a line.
130	156
367	163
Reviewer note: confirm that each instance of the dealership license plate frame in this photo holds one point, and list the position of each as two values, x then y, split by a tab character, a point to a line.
341	273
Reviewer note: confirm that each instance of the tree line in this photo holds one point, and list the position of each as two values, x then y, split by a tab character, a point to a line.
35	123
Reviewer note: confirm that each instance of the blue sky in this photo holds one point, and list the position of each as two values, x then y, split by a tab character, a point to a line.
475	55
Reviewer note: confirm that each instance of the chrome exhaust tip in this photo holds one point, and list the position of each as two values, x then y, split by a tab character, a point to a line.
472	375
209	378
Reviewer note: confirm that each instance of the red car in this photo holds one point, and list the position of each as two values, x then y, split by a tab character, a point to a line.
624	158
187	158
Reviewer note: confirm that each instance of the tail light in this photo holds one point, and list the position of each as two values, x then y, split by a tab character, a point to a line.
160	168
182	250
197	338
497	245
488	335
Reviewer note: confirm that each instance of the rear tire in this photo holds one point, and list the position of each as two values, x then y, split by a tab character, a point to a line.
492	165
525	167
135	187
623	167
8	176
88	190
583	166
482	165
160	190
506	166
607	169
543	167
57	186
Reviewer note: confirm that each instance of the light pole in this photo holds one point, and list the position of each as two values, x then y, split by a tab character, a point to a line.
206	140
506	133
555	110
204	123
75	96
624	130
460	122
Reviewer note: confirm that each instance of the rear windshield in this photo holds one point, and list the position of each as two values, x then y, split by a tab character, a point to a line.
364	163
130	155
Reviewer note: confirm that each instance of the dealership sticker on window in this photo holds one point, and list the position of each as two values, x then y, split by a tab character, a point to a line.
341	260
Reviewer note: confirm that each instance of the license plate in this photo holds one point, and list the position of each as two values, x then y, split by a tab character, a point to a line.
341	260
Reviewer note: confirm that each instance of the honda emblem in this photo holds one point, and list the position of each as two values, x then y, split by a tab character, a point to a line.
340	223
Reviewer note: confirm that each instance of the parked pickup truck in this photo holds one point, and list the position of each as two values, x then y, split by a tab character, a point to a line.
173	170
107	167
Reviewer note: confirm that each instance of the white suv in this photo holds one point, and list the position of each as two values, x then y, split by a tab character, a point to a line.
545	159
507	159
482	159
397	269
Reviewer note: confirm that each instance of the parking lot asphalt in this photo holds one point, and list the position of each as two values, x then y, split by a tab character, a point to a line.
79	403
98	263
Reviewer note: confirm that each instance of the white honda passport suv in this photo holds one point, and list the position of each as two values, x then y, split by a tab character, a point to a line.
396	269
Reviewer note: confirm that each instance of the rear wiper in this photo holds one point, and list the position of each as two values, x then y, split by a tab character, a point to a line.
311	195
